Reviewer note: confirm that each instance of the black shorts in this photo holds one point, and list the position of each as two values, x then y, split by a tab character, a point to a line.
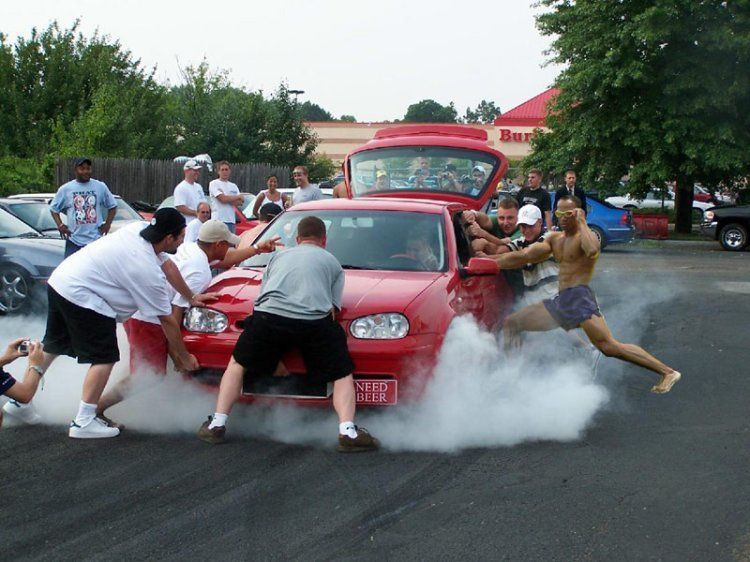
267	337
79	332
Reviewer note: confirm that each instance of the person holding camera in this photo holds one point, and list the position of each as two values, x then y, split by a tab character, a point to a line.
21	391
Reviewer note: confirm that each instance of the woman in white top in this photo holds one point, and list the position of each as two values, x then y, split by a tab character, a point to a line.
270	195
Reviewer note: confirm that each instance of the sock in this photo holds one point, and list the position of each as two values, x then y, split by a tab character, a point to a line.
218	420
86	413
348	428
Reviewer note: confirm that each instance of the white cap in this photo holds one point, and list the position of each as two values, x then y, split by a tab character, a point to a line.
479	168
529	215
191	165
216	231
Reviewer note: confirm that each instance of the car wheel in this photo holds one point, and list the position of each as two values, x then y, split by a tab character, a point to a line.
733	237
15	290
600	235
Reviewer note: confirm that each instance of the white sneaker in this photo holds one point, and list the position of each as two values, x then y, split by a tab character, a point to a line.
25	413
95	429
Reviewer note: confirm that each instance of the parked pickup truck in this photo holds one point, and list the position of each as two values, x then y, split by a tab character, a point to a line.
729	225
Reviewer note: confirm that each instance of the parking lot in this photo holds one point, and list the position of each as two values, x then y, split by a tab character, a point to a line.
649	477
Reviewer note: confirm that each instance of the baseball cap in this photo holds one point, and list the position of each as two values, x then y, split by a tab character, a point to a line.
478	168
380	174
216	231
191	165
269	210
166	221
529	215
83	160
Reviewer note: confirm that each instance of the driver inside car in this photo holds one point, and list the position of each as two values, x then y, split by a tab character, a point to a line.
419	249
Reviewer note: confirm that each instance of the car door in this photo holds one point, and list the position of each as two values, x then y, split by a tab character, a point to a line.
487	298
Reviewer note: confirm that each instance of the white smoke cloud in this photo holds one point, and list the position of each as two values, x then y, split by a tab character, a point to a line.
476	397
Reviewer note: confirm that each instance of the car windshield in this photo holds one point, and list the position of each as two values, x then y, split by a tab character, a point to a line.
381	240
11	226
125	212
35	213
436	169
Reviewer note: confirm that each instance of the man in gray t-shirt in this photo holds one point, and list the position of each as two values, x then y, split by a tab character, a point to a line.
305	191
299	296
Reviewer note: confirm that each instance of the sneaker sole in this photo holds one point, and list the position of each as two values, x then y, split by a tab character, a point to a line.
343	449
211	440
88	435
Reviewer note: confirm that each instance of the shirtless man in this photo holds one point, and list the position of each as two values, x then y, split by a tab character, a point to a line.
576	249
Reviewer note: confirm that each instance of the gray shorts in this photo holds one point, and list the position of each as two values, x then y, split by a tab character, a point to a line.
572	306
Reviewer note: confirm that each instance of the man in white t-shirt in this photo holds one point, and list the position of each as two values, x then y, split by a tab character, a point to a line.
226	197
305	191
194	226
188	193
107	282
148	343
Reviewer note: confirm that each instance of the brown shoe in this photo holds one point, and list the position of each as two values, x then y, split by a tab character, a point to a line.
361	443
214	435
109	422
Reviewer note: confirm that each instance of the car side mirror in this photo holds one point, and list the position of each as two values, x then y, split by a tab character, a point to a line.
481	266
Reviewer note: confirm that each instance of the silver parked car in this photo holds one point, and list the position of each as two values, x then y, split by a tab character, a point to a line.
27	259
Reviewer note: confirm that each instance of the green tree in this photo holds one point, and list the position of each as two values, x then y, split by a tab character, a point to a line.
313	112
348	119
654	89
485	112
288	141
212	116
430	111
48	81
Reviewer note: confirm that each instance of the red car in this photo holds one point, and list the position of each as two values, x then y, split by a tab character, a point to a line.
407	261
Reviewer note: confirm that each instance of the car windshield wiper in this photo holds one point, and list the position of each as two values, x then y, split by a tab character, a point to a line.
349	266
30	235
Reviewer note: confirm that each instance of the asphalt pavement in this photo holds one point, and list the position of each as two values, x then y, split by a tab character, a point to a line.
652	478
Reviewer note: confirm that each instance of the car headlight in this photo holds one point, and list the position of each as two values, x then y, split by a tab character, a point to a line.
387	326
709	216
205	320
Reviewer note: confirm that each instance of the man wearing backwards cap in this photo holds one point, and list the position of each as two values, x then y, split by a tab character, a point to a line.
188	193
89	205
105	283
149	345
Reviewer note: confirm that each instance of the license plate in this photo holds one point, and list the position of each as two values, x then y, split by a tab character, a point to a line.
376	392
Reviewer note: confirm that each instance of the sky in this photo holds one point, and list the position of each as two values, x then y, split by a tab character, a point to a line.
367	59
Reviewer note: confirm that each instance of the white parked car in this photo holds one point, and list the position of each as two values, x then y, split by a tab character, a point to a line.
653	200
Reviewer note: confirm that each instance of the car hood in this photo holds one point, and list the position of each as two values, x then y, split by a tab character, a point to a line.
365	291
25	245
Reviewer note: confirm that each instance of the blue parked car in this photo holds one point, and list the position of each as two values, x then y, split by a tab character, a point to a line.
611	224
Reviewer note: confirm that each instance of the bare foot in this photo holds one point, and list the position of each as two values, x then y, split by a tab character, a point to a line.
667	382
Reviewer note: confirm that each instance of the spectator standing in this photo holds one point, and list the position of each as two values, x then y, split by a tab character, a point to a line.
570	189
270	195
105	283
533	194
21	392
300	293
226	196
188	193
89	205
203	214
305	191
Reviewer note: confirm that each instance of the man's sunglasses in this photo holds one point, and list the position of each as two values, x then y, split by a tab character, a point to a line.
561	214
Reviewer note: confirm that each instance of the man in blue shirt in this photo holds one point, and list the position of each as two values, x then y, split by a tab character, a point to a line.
89	205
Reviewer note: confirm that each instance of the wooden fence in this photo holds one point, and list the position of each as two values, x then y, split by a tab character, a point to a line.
152	181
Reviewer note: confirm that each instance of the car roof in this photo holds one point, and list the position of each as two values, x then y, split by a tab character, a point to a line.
377	204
